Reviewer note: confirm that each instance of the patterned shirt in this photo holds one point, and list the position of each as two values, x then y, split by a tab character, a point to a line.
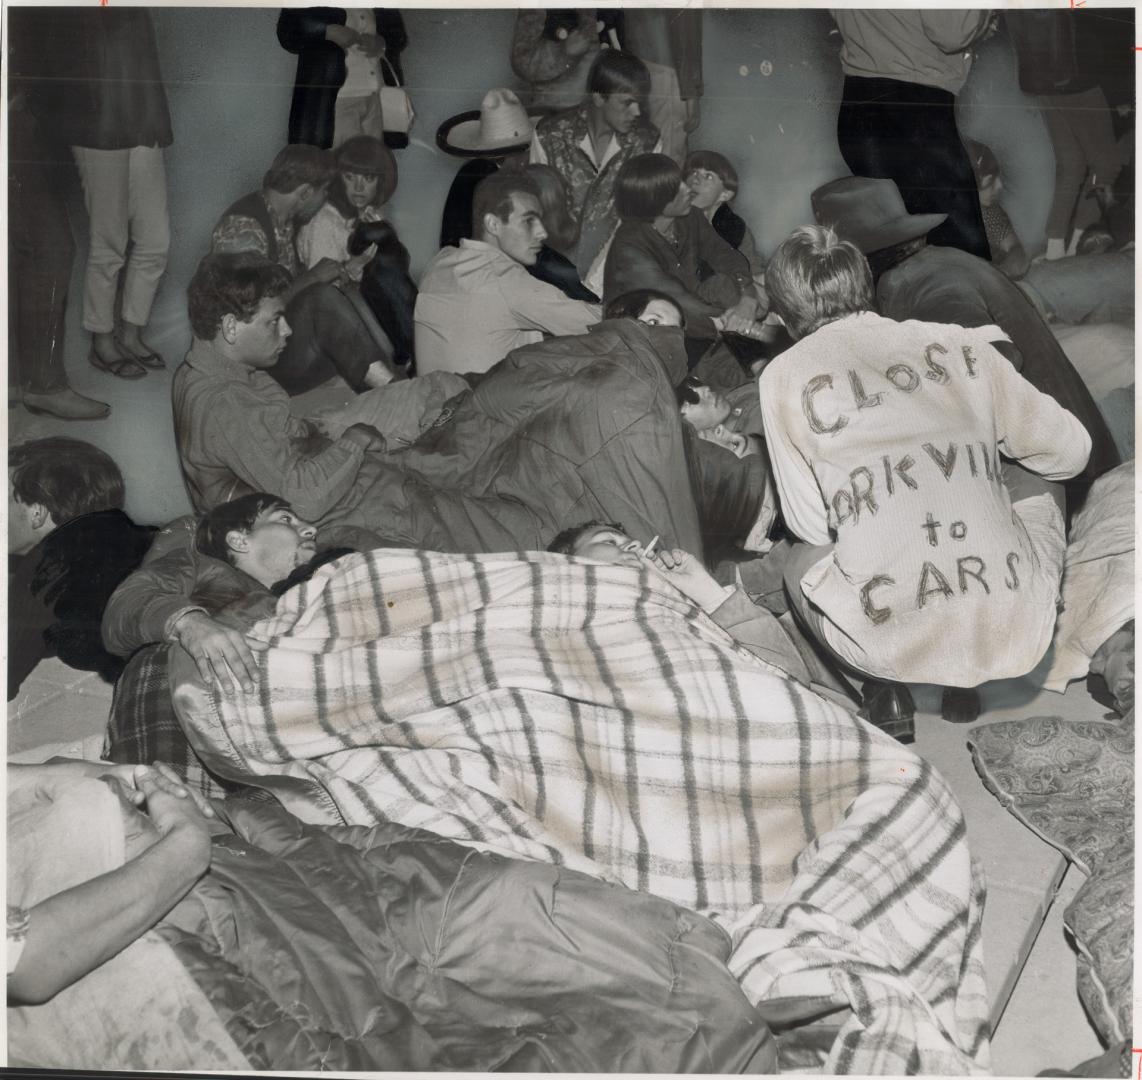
237	232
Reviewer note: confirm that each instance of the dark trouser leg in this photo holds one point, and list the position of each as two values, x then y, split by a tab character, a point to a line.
907	133
391	294
328	339
1022	483
888	706
40	254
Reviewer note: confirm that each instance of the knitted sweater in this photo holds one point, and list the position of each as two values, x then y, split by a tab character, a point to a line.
884	439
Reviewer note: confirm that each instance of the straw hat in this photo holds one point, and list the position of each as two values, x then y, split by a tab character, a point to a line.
501	126
869	213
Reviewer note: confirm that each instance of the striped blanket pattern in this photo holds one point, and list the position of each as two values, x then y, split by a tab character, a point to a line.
588	715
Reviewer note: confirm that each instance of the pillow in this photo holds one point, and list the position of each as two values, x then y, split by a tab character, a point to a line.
1072	783
140	1009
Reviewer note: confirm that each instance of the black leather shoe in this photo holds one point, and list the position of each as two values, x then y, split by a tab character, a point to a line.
960	705
889	706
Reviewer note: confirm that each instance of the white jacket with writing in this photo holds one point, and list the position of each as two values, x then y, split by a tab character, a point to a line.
885	439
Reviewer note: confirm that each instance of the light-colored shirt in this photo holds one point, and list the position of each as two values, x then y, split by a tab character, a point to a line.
326	236
884	439
476	304
929	47
362	72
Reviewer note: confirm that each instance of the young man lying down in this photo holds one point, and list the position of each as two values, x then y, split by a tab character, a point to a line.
752	626
148	929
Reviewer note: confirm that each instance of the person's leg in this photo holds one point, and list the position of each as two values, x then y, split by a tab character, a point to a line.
941	177
349	117
150	243
887	129
105	193
888	706
40	254
1022	483
391	294
667	110
328	339
1100	153
1070	168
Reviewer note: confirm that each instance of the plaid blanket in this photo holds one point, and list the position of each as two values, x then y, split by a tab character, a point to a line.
590	716
143	725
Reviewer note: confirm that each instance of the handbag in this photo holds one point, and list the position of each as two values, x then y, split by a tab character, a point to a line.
397	113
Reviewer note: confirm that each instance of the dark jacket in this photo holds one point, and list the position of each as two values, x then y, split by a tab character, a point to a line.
58	591
947	285
642	258
99	84
172	577
321	66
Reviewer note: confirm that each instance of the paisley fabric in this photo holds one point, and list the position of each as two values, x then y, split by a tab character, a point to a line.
1073	784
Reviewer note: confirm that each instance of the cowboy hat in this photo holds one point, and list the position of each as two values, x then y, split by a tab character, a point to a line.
869	213
501	126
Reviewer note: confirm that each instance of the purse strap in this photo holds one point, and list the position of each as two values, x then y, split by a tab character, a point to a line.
392	70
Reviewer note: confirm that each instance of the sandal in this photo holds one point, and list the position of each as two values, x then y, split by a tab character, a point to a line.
124	367
151	360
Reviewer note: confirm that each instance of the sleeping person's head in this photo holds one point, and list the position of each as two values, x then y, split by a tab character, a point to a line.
603	541
259	534
646	305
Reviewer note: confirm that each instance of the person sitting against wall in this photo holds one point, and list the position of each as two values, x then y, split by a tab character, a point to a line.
714	183
350	229
925	555
69	546
477	302
234	429
334	333
666	245
588	145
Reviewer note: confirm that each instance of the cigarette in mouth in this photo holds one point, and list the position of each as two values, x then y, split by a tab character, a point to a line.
649	549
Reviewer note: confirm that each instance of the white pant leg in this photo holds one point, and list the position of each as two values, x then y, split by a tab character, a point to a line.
357	116
105	193
667	110
150	232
